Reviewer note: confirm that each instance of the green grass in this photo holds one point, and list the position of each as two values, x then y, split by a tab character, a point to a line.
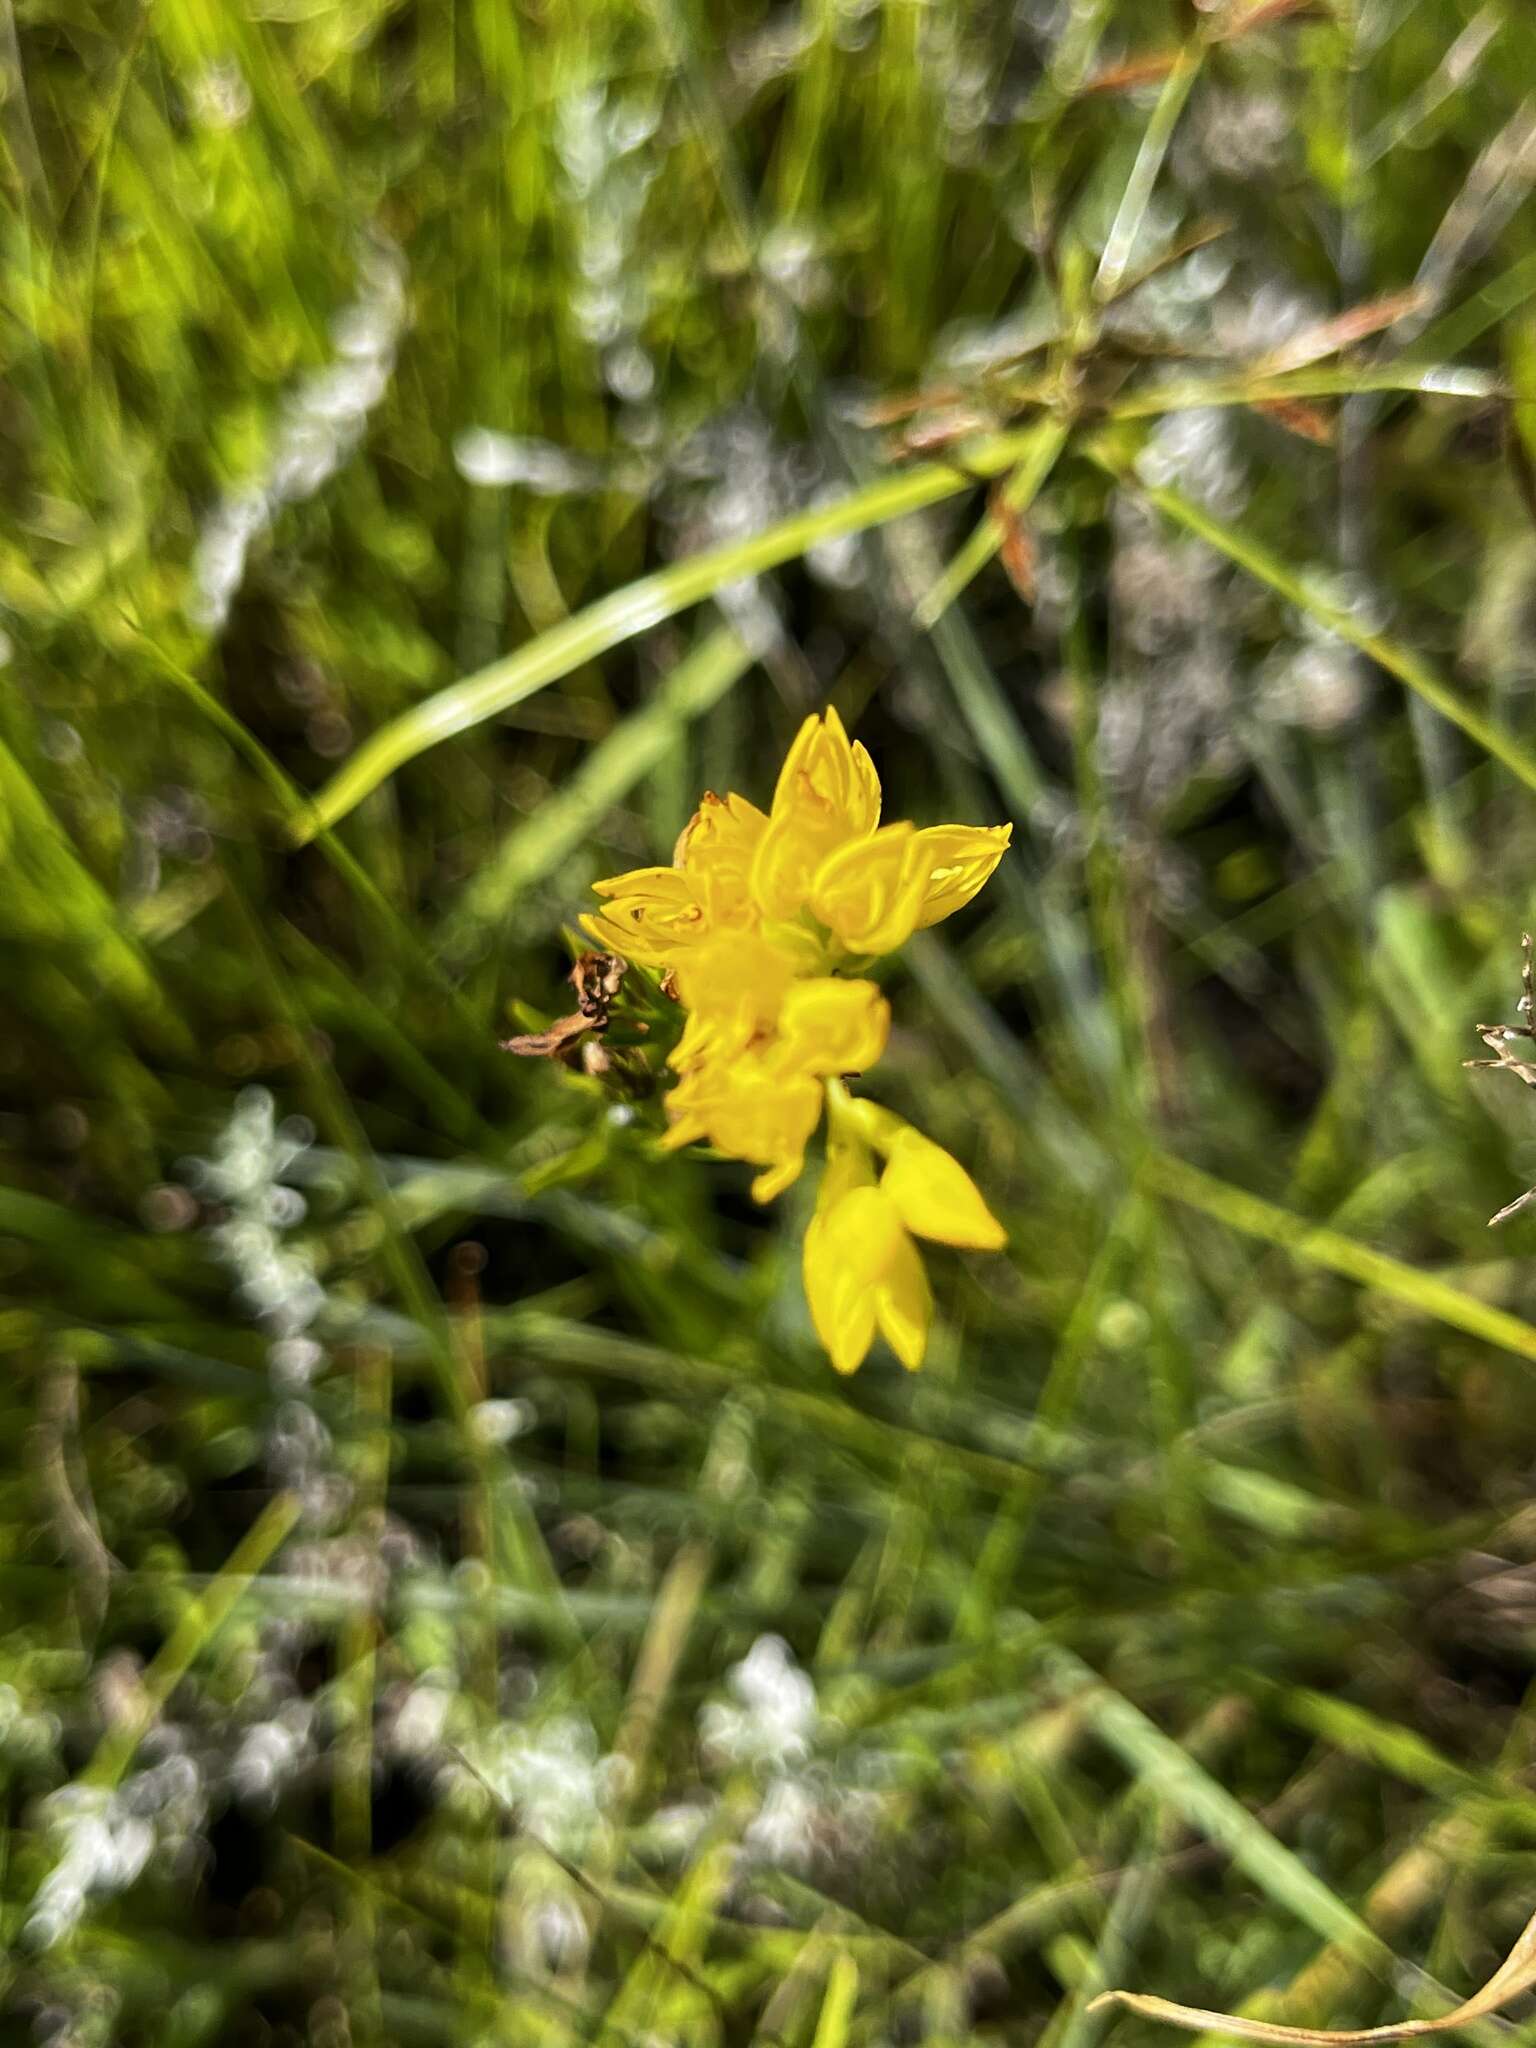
1173	1629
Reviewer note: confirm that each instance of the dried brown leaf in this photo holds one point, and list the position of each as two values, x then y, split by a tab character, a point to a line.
552	1043
1344	330
595	978
1515	1975
1298	417
1017	553
1263	16
1133	72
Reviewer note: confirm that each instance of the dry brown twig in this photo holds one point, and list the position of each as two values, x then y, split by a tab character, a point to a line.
1499	1038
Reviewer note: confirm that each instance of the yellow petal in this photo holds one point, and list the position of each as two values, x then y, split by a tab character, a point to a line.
649	915
844	1321
796	759
735	975
786	858
773	1180
750	1106
960	861
848	1248
716	852
834	1027
870	891
904	1305
665	889
687	1115
823	768
717	1034
936	1197
827	794
864	790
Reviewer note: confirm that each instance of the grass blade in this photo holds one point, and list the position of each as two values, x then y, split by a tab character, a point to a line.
624	613
1317	1245
1408	667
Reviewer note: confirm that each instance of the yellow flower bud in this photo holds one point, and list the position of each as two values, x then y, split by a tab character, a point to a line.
935	1196
862	1272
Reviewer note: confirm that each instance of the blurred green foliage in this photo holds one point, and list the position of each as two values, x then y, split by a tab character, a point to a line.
401	1458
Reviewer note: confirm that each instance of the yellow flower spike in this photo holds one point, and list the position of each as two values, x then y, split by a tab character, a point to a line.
750	921
935	1196
870	892
961	860
834	1027
649	915
828	793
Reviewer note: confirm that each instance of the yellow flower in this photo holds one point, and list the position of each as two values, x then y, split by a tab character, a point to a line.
820	851
828	793
751	921
755	1106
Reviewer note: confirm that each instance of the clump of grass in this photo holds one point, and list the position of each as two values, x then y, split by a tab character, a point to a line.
442	440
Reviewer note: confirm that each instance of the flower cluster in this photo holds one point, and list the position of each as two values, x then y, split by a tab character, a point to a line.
755	926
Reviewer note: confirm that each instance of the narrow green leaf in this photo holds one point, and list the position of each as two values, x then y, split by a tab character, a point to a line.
199	1624
638	606
1120	245
1176	1778
1317	1245
1292	585
1442	380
